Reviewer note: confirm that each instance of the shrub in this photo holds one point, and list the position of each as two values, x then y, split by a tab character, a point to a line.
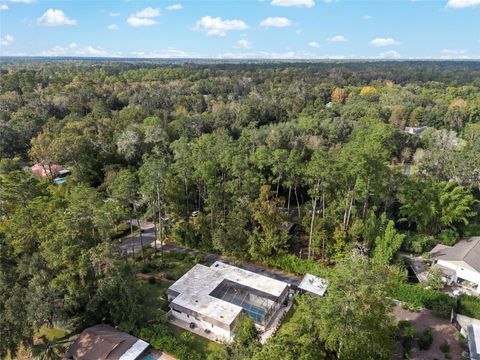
445	347
469	306
152	280
440	303
407	334
426	339
297	266
179	255
419	244
448	237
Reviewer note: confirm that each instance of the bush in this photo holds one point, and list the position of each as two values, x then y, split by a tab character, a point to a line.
448	237
419	244
440	303
152	280
407	334
297	266
445	348
469	306
426	339
179	255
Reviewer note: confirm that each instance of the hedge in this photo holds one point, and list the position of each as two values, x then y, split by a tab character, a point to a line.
469	306
440	303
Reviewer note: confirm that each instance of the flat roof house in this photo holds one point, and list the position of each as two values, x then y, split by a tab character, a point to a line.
459	262
104	342
211	298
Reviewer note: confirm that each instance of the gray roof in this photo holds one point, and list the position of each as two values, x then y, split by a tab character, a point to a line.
467	250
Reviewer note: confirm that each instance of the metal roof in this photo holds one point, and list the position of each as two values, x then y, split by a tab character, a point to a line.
314	284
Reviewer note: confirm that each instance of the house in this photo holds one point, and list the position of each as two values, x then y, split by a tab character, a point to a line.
44	170
103	342
313	284
210	299
459	263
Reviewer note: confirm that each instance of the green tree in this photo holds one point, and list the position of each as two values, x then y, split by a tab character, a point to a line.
354	319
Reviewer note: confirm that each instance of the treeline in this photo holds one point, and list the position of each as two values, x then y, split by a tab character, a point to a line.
257	161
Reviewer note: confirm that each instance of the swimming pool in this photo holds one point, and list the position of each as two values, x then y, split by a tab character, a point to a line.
149	357
255	312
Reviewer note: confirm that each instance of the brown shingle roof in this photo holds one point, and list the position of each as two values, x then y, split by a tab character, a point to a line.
101	342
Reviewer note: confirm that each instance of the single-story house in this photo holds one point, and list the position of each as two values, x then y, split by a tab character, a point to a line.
415	130
44	170
459	262
210	299
104	342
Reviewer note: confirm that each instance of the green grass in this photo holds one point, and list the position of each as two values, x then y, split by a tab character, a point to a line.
195	342
469	306
51	333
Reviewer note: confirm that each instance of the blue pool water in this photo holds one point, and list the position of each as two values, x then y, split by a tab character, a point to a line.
255	312
149	357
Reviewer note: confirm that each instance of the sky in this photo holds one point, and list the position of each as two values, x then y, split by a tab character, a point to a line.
242	29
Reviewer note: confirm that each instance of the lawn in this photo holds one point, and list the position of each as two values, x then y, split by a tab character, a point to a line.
195	342
51	333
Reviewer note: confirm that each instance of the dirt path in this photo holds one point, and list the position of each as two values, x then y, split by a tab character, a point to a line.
443	331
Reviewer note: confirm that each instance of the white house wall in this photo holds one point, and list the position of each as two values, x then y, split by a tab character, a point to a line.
461	270
222	333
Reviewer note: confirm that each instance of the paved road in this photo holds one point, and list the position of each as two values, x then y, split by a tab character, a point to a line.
148	236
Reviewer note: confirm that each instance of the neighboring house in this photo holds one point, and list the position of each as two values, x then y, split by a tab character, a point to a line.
460	262
103	342
416	130
44	170
211	299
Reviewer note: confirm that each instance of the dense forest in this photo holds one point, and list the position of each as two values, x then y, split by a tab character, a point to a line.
266	161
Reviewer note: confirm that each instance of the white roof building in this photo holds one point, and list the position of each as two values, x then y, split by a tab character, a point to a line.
313	284
213	297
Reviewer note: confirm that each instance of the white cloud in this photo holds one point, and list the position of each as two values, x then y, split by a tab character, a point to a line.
268	55
296	3
314	44
454	54
6	40
148	13
366	17
392	54
144	17
276	22
174	7
113	14
168	53
243	44
383	42
136	21
3	7
74	49
55	17
113	27
337	38
460	4
217	26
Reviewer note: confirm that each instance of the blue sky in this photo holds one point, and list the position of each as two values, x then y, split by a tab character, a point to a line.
294	29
